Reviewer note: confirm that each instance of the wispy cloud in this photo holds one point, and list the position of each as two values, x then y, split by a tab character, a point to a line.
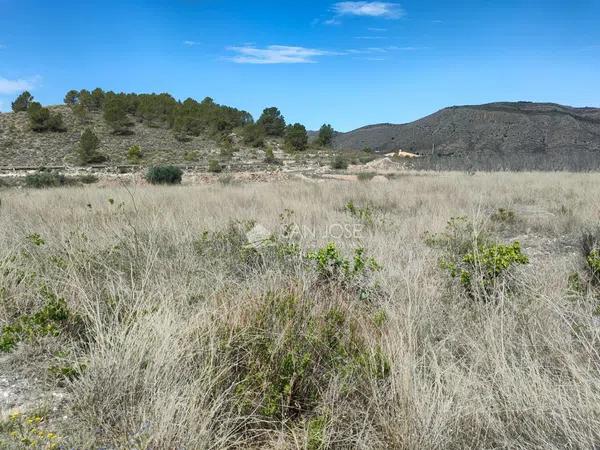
2	46
369	9
276	54
14	86
378	50
370	38
377	30
191	43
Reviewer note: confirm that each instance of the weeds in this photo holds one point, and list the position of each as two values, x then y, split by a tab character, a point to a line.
480	264
49	320
28	431
291	351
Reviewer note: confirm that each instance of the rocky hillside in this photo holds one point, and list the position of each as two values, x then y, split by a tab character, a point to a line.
492	136
19	146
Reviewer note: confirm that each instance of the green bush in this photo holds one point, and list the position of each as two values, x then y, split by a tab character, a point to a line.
134	154
42	119
270	157
214	166
339	163
354	275
48	320
288	354
364	213
164	175
471	257
253	135
44	179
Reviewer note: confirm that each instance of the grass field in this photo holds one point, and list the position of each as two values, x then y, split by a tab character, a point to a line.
201	316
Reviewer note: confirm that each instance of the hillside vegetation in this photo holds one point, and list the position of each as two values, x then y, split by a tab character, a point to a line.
160	128
433	311
496	136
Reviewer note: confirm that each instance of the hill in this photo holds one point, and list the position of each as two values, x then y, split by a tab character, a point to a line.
505	135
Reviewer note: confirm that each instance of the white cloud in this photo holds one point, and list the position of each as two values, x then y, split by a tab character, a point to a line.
370	38
377	30
276	54
191	43
14	86
369	9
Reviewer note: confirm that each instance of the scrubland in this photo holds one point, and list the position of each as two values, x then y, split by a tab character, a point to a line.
305	315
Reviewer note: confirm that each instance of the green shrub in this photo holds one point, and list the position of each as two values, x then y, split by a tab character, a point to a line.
214	166
485	264
253	135
364	214
45	179
270	157
240	252
134	154
290	351
339	163
164	175
353	275
49	320
472	258
42	119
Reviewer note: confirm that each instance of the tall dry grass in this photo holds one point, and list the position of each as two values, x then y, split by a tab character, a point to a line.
166	332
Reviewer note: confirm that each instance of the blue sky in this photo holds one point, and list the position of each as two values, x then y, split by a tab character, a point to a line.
345	63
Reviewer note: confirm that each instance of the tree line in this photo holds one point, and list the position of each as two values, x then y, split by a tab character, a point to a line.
186	119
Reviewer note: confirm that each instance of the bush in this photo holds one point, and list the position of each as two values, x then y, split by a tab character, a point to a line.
88	145
478	263
214	166
364	213
42	119
253	135
339	163
134	154
164	175
44	179
289	353
48	320
270	157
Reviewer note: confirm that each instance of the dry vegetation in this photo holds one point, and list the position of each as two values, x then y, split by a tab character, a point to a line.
164	328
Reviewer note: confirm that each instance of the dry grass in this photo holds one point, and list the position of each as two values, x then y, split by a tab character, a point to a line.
169	336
